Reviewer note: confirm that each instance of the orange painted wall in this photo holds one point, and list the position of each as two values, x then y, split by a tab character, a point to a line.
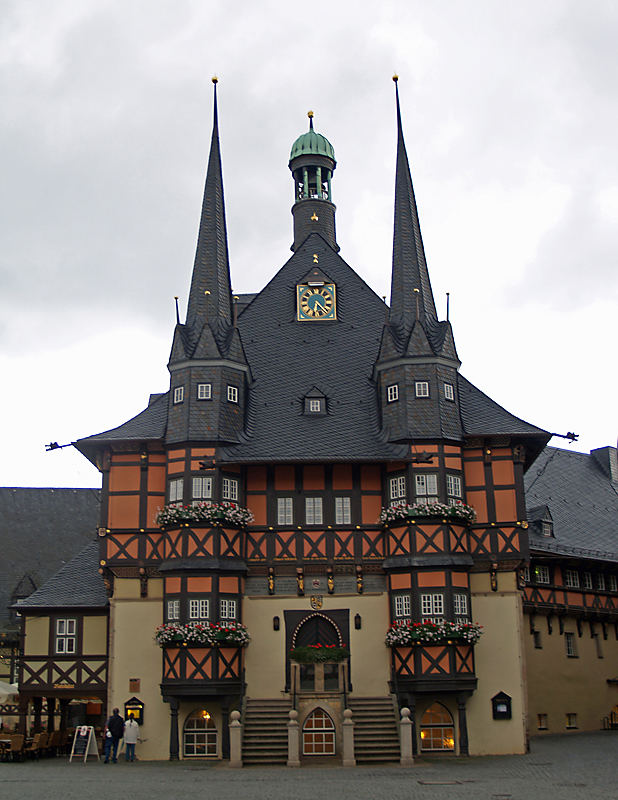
313	477
199	584
257	504
370	478
153	504
124	511
256	479
459	579
229	584
506	507
284	479
431	579
124	479
156	479
474	472
172	585
401	581
503	473
478	501
342	477
371	506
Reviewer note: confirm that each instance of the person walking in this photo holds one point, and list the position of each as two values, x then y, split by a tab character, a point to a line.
131	737
115	727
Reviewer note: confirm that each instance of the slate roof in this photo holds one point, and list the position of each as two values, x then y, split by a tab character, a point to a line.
40	529
76	585
582	500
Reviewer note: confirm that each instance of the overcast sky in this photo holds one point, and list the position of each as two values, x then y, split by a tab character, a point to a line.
510	116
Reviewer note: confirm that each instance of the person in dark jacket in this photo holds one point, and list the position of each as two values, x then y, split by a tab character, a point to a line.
114	731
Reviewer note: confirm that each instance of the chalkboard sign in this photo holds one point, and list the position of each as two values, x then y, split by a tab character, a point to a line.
84	743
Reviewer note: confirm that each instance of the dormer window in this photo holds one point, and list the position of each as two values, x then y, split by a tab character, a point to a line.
547	528
392	393
314	403
204	391
179	394
421	388
315	406
232	394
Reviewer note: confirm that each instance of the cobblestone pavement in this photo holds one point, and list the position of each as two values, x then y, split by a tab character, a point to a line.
577	766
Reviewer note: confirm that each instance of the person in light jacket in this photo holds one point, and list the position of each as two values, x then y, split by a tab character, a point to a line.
131	737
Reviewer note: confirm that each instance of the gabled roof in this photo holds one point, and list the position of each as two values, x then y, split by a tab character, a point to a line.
40	529
287	357
482	416
76	585
582	500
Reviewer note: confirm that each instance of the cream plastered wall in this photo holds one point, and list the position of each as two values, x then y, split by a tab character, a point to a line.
265	655
133	653
94	641
559	685
37	636
500	666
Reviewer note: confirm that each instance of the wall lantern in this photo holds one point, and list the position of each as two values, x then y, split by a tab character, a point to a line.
276	623
501	706
357	622
134	707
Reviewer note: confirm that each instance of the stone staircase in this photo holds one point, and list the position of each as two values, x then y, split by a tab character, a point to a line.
265	732
376	733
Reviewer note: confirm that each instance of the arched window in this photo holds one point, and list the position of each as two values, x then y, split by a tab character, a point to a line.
316	629
318	734
437	731
199	736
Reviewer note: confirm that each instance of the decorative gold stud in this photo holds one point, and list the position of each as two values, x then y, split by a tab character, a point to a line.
314	217
315	258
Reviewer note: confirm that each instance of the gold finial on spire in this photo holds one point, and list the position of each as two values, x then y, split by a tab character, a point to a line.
215	79
310	114
395	77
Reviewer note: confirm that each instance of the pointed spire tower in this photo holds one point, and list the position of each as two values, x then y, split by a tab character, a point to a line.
207	363
417	353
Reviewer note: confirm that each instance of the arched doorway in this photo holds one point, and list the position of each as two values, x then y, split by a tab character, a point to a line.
437	729
316	629
200	736
319	734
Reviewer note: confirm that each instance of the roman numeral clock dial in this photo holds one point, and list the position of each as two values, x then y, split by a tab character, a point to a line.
316	302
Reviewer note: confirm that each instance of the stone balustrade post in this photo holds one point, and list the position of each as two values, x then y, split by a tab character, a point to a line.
235	740
405	739
349	759
293	740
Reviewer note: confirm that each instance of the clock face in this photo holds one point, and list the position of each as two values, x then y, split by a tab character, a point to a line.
316	302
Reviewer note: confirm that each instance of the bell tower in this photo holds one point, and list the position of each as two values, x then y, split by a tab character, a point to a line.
312	163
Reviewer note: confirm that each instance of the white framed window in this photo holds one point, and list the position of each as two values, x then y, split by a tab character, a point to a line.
179	394
541	573
343	511
313	510
571	578
403	605
285	511
421	388
229	489
173	610
613	583
227	609
66	636
601	582
453	488
397	488
176	490
426	487
570	645
198	609
392	393
571	720
449	392
587	580
432	606
547	528
202	488
232	394
315	405
460	604
526	573
204	391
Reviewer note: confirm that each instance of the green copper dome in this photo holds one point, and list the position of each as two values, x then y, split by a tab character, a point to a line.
312	143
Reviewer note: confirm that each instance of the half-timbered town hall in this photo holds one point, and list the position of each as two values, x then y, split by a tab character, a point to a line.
322	520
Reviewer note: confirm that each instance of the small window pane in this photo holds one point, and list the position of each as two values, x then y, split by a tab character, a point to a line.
397	488
202	488
285	514
232	394
313	510
343	514
229	489
426	488
460	604
227	609
541	573
422	388
587	580
402	605
601	583
449	394
173	609
453	486
198	609
176	490
315	406
392	393
179	394
572	578
204	391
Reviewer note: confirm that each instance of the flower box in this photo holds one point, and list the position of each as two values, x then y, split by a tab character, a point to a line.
204	634
408	512
406	633
319	653
224	513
